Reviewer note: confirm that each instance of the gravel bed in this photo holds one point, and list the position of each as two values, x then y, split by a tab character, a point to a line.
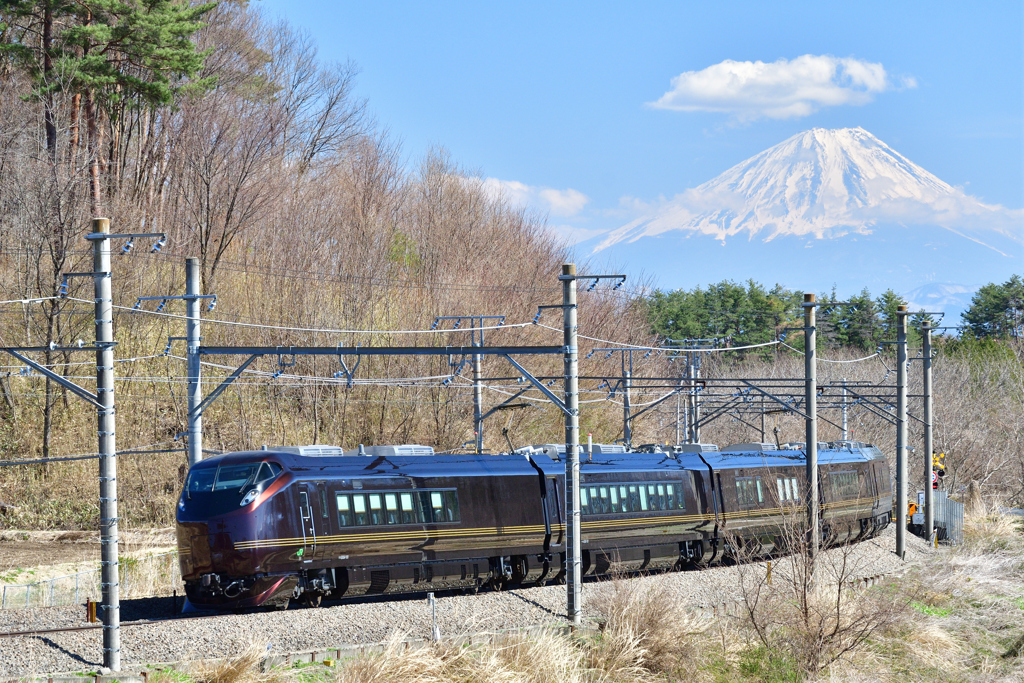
364	622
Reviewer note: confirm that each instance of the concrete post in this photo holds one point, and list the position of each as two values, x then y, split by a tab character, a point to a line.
193	306
572	446
109	584
926	351
901	431
811	421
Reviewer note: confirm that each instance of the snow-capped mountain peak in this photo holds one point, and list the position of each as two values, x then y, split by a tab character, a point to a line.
821	183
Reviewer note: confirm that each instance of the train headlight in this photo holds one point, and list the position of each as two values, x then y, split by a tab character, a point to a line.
249	497
181	504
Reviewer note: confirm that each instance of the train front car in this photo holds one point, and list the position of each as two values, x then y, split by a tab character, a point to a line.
227	501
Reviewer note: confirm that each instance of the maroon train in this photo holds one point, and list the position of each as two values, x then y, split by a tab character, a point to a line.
265	527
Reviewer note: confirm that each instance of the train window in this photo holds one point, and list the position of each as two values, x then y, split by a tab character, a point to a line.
235	476
787	490
323	503
670	497
201	480
359	510
391	507
268	471
615	498
451	506
634	499
644	505
409	515
844	484
624	500
376	511
344	510
748	491
584	507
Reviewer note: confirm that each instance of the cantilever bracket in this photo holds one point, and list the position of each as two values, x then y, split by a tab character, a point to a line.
507	404
198	410
59	379
540	385
346	372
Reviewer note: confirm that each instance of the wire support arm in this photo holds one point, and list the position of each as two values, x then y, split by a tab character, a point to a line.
540	385
59	379
224	385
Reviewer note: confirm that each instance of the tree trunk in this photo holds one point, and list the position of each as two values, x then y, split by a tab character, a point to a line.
50	126
94	147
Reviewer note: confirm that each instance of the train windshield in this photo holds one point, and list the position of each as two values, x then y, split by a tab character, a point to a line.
230	481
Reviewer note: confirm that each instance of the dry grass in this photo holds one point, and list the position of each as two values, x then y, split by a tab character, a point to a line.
244	667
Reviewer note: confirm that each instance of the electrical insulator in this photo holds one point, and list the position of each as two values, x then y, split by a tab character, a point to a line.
127	246
158	245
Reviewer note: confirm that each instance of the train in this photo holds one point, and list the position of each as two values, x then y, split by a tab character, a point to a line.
280	526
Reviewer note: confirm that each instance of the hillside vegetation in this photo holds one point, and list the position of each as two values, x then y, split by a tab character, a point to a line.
308	219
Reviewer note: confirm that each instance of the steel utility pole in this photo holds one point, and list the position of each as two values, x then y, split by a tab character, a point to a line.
193	287
478	398
811	421
846	431
926	351
627	376
109	584
901	432
572	446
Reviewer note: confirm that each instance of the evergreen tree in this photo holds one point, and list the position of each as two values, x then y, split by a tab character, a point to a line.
106	51
997	310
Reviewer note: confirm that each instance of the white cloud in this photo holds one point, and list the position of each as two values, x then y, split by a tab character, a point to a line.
566	203
778	90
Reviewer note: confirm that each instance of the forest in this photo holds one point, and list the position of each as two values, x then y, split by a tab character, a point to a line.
224	129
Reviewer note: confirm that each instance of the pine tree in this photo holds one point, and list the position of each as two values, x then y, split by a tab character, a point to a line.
106	51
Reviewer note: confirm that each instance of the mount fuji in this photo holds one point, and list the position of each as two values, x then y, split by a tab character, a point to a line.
823	209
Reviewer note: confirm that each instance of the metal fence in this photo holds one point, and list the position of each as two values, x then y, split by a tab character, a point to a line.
138	577
949	518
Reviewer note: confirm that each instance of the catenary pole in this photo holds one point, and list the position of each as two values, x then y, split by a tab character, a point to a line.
926	349
627	395
572	445
846	430
109	587
478	397
193	306
811	422
901	431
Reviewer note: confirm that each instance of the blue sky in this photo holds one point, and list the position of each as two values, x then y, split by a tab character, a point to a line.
557	96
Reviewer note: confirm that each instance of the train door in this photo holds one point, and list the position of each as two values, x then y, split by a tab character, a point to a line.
307	521
554	504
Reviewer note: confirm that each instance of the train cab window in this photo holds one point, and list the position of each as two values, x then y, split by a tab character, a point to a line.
268	471
201	480
235	476
644	505
614	499
344	510
584	505
670	497
624	500
359	516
